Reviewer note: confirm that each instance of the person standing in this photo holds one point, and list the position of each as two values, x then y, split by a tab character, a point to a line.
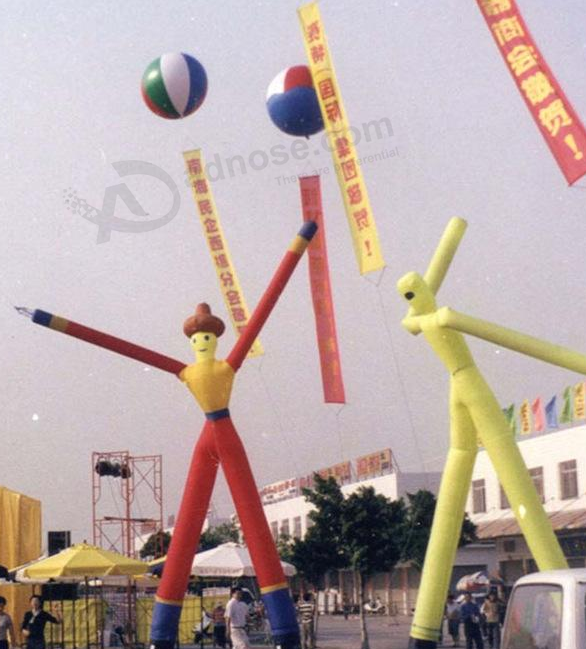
491	610
6	627
471	617
33	624
453	618
345	606
236	616
219	625
306	610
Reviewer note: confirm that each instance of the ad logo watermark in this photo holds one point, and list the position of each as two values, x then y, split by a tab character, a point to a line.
105	218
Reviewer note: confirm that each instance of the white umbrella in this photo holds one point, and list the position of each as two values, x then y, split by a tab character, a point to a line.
229	560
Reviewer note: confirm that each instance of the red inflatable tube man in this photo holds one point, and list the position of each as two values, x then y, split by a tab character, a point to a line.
210	382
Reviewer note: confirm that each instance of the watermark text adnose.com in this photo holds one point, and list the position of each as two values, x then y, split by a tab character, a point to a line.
216	168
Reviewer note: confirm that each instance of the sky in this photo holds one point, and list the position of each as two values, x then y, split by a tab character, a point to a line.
462	142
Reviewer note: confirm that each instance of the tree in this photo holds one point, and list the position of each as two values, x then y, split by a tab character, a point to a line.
373	534
364	532
420	512
324	536
156	545
215	536
320	550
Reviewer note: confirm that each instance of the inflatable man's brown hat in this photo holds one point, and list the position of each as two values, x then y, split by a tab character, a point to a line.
203	320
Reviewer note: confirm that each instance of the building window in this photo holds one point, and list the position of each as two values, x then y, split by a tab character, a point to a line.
509	546
275	529
297	527
505	504
568	479
285	527
478	497
537	477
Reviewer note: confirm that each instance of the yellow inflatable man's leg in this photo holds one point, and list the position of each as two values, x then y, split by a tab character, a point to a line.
497	439
446	529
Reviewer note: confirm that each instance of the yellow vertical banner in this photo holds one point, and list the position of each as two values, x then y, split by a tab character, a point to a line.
358	210
579	401
525	413
218	247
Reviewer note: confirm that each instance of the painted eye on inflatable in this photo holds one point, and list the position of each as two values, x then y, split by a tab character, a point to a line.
174	85
292	102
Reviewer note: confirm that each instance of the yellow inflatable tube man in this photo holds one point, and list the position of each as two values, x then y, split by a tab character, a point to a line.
475	416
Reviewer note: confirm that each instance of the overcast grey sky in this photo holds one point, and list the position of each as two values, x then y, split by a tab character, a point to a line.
466	146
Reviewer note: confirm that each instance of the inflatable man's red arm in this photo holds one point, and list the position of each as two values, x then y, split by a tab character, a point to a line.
271	295
104	340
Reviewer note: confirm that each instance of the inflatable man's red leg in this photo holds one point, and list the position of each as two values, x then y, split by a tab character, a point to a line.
257	534
190	520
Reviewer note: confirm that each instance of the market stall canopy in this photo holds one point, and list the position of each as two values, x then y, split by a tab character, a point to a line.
225	560
81	561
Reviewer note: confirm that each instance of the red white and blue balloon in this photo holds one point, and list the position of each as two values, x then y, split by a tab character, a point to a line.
174	85
292	102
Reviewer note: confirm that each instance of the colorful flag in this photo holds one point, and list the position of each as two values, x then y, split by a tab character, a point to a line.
579	404
566	414
555	117
218	247
537	410
346	163
511	418
525	414
551	413
321	293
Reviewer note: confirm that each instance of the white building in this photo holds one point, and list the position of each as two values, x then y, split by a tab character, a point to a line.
557	463
290	516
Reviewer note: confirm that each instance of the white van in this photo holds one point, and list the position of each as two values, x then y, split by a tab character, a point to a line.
547	610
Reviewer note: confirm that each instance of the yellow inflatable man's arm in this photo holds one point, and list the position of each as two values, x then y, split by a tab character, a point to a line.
439	264
515	340
444	253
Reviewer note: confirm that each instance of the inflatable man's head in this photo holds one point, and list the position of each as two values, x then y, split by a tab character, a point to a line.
203	330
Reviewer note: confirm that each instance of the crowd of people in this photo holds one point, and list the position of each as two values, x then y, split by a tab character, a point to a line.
480	622
230	625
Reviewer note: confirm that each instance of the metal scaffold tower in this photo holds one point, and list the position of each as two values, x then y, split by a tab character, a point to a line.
127	499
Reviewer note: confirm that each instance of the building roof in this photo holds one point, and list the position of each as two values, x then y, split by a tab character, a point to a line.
560	520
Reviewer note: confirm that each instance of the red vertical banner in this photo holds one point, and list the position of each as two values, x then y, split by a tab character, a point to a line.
554	115
321	294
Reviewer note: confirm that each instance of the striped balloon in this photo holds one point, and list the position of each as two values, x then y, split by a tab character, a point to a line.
292	102
174	85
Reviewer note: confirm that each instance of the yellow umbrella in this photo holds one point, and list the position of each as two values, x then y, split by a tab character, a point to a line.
83	560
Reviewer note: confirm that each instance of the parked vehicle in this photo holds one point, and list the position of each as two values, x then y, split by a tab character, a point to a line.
546	611
375	607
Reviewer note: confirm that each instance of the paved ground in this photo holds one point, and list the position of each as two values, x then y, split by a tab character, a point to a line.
334	632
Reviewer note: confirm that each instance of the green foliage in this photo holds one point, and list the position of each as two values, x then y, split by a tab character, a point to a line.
320	550
373	531
156	545
215	536
326	549
420	512
364	531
